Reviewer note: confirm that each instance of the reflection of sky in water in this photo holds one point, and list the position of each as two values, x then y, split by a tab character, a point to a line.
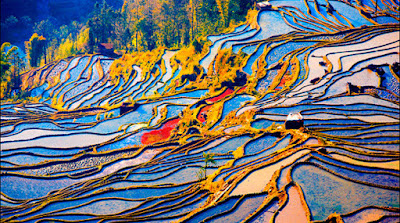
205	62
271	24
343	197
337	115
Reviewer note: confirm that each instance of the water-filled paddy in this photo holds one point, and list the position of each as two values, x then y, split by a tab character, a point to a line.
256	181
345	196
86	159
244	208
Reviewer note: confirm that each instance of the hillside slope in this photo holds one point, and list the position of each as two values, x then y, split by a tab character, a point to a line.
292	117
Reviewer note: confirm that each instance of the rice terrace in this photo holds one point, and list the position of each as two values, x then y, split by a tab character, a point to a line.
200	111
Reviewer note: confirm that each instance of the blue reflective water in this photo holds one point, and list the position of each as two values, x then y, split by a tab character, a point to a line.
5	164
253	58
140	93
238	30
345	196
43	151
271	24
205	62
130	141
132	193
214	210
246	206
187	208
174	110
84	87
141	114
63	75
128	88
39	90
24	159
233	104
264	151
266	214
30	188
360	157
259	144
229	145
39	125
74	74
354	167
93	100
350	13
380	179
187	174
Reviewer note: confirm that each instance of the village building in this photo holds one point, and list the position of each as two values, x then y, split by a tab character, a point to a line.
294	121
263	6
106	49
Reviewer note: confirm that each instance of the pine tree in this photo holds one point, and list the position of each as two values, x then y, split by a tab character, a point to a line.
35	49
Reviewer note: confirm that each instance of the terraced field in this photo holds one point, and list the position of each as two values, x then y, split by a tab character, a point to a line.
129	140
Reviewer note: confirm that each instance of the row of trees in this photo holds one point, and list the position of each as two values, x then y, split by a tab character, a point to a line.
139	25
173	23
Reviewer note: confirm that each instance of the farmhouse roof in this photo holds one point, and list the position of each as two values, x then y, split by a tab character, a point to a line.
107	46
294	117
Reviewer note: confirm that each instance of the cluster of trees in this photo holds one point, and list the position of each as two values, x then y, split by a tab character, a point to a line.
140	25
35	48
56	43
175	23
12	64
18	17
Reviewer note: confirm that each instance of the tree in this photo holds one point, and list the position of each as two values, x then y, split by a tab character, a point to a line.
91	41
45	28
146	27
5	55
166	21
18	65
208	159
11	66
121	32
26	20
134	16
126	38
197	46
67	48
83	40
35	48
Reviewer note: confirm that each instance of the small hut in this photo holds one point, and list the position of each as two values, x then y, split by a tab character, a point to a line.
106	49
263	6
294	121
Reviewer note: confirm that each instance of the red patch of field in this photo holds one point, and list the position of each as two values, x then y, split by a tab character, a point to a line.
163	133
242	89
219	97
284	79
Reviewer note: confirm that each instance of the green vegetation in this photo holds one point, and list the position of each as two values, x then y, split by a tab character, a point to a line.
35	49
227	66
208	159
123	139
138	26
11	66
